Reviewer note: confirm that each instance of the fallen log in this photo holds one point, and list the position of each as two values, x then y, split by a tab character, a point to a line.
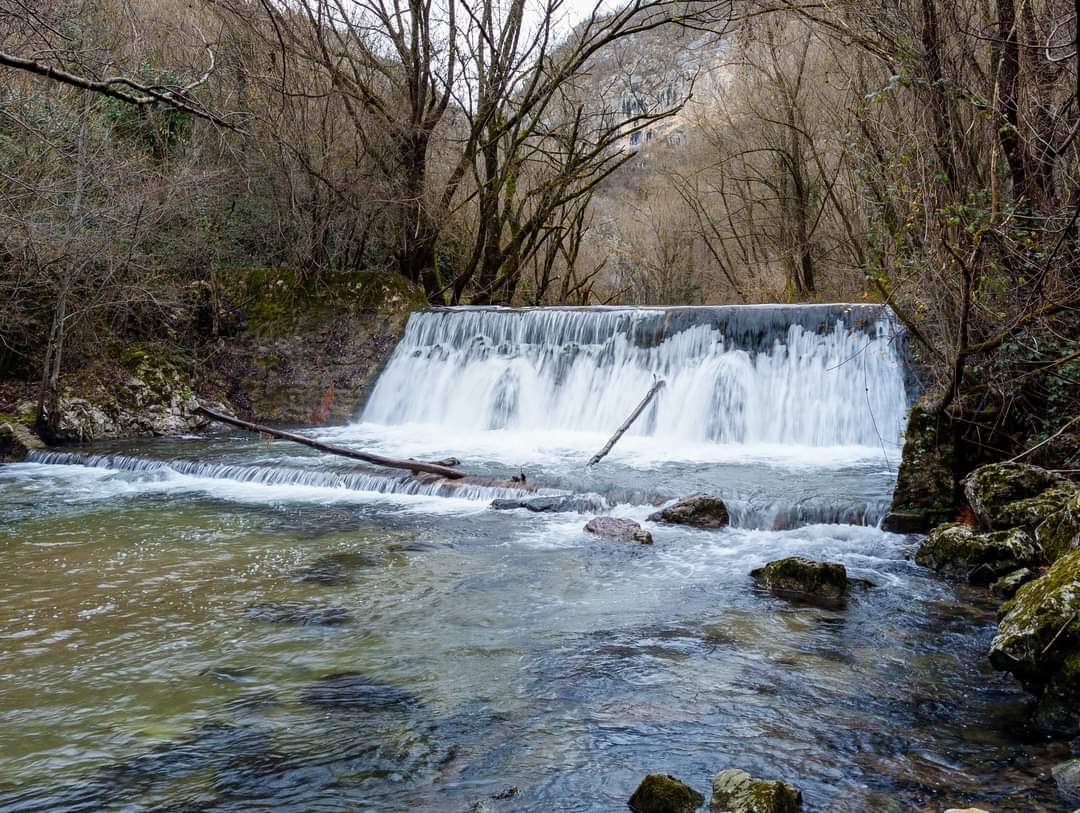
596	458
410	465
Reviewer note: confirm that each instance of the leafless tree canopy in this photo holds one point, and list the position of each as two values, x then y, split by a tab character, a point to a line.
917	152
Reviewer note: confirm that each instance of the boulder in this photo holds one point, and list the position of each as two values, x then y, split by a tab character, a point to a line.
618	530
977	557
662	793
1038	640
993	491
738	792
333	568
698	511
552	504
1059	533
1008	585
16	441
352	690
925	491
1067	778
799	575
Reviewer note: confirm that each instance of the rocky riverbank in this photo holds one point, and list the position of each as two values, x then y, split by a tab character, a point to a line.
1024	541
287	354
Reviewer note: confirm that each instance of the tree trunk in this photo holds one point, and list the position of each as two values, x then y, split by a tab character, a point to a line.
353	454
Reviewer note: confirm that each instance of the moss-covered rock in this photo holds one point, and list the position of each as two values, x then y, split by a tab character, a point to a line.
1059	533
698	511
980	558
738	792
1038	640
804	577
148	396
311	348
663	793
1009	584
926	491
1009	495
16	441
618	530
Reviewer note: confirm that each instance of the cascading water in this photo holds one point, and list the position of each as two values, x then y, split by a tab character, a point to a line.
820	375
282	476
218	623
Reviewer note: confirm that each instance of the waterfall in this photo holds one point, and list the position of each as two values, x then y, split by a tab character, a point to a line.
812	375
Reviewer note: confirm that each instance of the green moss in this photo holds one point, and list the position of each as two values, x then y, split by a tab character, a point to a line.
278	298
979	558
1059	533
797	574
1040	625
736	791
926	480
994	490
662	793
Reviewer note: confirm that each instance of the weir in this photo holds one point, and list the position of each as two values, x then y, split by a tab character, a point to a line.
810	375
746	383
350	480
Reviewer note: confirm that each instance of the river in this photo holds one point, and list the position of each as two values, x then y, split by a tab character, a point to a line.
216	623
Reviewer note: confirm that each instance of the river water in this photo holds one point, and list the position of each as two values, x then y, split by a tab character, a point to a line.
213	623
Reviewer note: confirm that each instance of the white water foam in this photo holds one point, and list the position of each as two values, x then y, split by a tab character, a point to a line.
820	377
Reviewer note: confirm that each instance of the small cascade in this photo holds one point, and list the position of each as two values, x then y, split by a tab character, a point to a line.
814	375
284	476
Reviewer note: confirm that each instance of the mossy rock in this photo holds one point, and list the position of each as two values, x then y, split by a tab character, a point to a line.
278	298
1059	533
804	577
926	482
738	792
663	793
1038	640
980	558
1058	709
993	491
698	511
1033	511
1009	584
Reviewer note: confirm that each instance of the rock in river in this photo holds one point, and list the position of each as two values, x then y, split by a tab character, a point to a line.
804	577
698	511
1038	640
353	690
1067	778
551	504
662	793
978	558
16	441
284	612
333	568
738	792
1008	585
1010	495
618	530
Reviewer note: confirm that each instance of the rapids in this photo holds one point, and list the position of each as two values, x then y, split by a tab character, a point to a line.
216	624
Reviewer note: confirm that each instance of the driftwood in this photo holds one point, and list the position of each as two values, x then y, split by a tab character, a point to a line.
596	458
367	457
